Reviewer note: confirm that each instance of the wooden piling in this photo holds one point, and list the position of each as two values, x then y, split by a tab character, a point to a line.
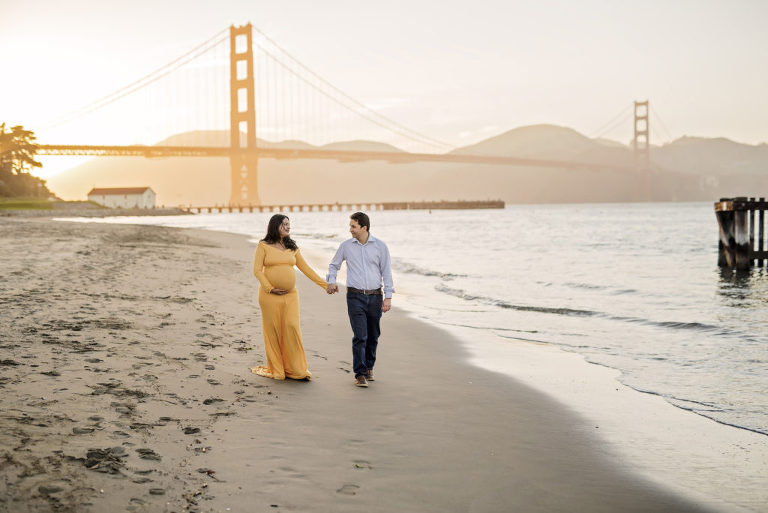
751	225
741	235
760	233
726	242
736	221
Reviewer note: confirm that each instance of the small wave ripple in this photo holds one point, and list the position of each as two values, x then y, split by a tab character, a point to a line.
674	325
406	267
504	304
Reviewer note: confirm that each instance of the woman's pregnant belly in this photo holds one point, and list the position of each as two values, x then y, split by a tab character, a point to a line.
281	276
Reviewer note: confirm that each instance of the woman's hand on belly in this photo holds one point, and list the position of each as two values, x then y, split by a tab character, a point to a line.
282	277
278	292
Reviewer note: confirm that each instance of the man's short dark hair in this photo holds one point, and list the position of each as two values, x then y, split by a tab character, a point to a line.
362	220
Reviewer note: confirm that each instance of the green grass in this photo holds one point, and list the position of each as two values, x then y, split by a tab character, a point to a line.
25	204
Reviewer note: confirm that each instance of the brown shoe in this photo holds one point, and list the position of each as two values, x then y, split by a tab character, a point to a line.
369	375
360	381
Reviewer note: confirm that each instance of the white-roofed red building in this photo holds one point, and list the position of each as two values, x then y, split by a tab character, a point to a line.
123	197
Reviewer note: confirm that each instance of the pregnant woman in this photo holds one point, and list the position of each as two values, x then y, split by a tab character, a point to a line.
276	255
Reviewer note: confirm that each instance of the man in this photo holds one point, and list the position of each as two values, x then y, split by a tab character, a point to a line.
368	266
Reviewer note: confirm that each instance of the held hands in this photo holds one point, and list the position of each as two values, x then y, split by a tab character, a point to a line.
386	305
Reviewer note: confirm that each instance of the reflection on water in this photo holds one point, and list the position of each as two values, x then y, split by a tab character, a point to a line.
754	281
743	289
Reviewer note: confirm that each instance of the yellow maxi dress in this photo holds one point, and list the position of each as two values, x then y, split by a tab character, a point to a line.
280	313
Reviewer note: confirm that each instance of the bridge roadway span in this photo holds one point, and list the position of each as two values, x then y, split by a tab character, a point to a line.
341	156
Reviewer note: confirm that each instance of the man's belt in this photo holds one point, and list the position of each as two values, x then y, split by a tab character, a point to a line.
374	292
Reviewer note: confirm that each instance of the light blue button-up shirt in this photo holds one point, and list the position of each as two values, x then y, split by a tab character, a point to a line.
368	265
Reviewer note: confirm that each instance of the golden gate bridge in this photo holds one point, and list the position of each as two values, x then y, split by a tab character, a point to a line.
266	92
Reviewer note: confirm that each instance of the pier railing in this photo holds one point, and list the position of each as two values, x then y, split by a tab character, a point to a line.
337	207
738	246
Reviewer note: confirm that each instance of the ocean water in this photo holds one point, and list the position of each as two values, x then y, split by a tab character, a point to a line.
634	287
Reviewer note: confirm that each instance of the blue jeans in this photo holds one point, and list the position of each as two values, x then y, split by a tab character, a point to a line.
364	316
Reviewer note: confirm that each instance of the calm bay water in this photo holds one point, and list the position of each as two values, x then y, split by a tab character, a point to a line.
635	287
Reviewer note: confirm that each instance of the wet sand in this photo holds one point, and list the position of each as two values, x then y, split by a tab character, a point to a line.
125	385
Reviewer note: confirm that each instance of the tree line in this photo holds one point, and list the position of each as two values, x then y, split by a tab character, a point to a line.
17	159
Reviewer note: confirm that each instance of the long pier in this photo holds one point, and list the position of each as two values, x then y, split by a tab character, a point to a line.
340	207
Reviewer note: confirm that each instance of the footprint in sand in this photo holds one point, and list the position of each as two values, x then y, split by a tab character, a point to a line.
49	489
148	454
348	489
207	318
317	354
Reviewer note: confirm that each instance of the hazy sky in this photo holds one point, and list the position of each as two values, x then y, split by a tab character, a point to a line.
459	71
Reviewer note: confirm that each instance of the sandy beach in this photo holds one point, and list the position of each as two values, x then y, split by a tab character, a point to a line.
125	385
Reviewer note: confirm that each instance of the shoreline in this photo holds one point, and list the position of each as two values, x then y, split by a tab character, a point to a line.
142	338
674	447
668	445
695	455
679	449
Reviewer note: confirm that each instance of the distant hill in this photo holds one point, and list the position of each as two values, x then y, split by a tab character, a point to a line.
199	138
551	142
535	141
610	143
713	157
288	145
361	146
688	169
221	139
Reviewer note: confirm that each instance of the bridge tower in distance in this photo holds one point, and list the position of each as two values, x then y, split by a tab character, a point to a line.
641	144
243	160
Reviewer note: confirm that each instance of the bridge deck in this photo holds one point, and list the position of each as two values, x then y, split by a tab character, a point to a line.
342	156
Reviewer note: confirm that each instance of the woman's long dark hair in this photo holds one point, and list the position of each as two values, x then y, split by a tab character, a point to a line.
273	233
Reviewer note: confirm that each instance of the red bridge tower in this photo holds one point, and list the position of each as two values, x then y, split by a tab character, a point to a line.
243	160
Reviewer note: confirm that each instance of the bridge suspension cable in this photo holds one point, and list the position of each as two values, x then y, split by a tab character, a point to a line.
359	108
142	82
614	122
367	113
657	120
